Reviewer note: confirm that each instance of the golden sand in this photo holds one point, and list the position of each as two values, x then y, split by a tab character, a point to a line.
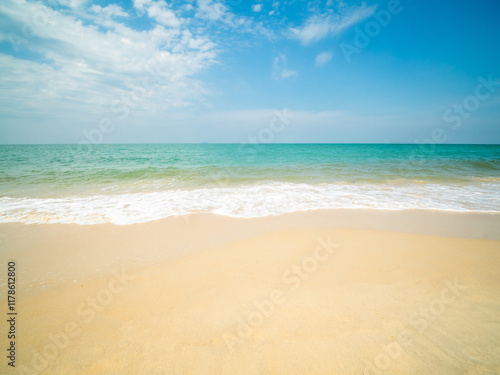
308	293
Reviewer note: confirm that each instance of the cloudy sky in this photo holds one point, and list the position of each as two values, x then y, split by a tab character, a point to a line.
228	70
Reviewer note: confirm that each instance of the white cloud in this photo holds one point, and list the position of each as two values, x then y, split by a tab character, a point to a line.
319	26
323	58
83	70
73	4
210	10
109	11
316	28
287	73
279	68
257	7
159	11
142	4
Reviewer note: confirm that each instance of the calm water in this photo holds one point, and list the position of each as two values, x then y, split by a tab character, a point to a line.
137	183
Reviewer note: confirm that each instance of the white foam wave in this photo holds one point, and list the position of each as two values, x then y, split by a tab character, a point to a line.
249	201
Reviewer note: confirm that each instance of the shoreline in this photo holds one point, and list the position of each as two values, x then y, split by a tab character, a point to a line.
447	223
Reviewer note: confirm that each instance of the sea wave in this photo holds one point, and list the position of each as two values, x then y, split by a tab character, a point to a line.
249	201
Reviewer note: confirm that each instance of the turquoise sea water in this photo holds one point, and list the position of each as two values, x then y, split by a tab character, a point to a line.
136	183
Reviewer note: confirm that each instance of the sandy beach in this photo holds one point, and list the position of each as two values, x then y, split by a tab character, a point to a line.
323	292
229	187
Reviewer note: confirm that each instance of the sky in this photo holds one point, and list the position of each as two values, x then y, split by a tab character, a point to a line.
286	71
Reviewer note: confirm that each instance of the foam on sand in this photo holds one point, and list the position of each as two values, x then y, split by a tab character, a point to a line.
258	200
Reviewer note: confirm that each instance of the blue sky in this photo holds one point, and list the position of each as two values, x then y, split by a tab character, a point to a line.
74	71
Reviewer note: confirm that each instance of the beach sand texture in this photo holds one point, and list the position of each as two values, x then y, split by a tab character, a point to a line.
291	294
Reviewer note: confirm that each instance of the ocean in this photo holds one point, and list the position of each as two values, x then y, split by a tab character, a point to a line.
133	183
